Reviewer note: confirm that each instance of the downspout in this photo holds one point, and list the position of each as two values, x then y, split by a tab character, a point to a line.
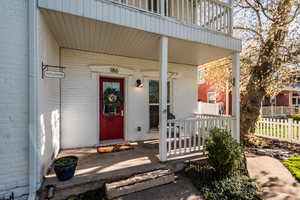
33	98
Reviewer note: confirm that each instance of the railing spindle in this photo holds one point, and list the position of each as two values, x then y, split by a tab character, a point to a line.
298	131
169	138
180	140
192	11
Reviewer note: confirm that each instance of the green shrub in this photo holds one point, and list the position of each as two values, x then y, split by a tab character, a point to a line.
213	188
220	178
293	164
233	188
296	117
65	161
224	152
203	174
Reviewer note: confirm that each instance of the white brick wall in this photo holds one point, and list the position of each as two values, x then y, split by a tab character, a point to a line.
49	97
13	97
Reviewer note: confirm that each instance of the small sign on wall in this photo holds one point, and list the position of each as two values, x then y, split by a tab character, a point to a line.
52	74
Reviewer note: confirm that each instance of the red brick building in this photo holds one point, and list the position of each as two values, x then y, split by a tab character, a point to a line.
289	96
208	93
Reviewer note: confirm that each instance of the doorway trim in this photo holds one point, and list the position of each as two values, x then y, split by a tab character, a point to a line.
117	124
96	77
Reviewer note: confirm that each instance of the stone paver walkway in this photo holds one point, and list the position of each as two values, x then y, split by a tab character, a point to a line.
274	180
182	189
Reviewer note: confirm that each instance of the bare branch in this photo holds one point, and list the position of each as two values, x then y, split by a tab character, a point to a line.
264	10
251	30
296	13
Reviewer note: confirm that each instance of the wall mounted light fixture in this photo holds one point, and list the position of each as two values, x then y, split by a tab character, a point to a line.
139	83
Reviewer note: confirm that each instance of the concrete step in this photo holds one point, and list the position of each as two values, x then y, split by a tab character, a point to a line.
80	184
139	182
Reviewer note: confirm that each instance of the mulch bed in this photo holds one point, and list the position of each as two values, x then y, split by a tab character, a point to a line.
114	148
275	148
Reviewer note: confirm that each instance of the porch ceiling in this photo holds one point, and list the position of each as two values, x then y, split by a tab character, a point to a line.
90	35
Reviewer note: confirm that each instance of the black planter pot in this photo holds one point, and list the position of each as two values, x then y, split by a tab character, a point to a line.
65	167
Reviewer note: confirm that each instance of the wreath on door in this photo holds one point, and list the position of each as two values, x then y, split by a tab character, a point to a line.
112	97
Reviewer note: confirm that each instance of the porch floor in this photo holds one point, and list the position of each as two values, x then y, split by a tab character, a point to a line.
94	167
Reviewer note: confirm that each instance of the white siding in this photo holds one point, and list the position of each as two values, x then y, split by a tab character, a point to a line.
79	108
49	97
92	35
14	97
110	12
80	96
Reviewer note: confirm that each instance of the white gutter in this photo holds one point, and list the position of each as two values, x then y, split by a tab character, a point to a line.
33	98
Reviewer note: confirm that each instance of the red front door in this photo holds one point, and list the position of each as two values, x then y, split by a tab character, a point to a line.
111	108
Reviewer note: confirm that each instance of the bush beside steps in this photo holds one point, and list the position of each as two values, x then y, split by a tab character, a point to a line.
90	195
225	176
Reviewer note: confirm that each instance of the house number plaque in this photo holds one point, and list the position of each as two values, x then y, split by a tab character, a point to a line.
114	70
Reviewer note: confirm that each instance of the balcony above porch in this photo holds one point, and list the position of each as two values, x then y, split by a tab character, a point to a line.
188	22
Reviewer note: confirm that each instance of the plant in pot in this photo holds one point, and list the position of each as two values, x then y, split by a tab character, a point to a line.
65	167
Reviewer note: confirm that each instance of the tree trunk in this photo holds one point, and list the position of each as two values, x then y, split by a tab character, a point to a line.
250	107
267	64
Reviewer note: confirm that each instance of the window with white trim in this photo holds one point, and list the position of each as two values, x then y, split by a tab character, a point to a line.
211	97
295	99
154	103
200	76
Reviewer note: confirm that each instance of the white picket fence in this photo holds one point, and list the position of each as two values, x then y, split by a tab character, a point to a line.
188	135
282	129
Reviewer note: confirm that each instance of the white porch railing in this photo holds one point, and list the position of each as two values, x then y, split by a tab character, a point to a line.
282	129
211	14
279	110
188	135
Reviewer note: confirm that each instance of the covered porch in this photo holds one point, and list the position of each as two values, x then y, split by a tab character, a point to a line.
90	49
154	77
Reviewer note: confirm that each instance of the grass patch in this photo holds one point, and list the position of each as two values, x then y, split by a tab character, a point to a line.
293	164
225	188
90	195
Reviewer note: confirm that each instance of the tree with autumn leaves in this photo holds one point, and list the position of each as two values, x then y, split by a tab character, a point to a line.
270	30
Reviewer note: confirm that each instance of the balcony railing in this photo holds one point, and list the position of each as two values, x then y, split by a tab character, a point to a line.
211	14
279	110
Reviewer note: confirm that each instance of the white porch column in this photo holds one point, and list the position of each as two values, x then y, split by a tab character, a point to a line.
162	7
236	95
163	92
